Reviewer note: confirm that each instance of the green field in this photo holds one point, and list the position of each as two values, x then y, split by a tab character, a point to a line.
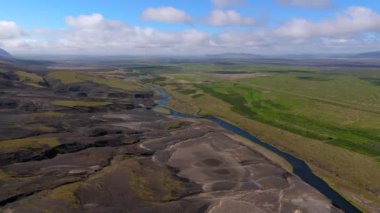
353	129
340	110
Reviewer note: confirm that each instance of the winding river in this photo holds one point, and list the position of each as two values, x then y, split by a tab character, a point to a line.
300	168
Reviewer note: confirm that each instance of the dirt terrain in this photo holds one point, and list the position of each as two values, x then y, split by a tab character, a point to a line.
86	147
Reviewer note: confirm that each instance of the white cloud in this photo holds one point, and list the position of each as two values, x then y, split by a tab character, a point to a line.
356	29
93	34
228	18
10	30
166	15
226	3
85	20
319	4
353	20
194	37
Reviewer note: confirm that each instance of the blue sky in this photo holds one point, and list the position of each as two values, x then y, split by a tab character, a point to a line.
195	26
51	13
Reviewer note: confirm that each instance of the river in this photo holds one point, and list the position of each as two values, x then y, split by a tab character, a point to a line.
300	168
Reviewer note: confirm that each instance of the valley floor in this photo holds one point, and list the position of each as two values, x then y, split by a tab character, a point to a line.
77	142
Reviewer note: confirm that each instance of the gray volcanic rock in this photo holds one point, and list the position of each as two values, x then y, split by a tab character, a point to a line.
234	177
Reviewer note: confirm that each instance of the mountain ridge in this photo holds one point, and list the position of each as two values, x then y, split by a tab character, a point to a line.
4	54
375	54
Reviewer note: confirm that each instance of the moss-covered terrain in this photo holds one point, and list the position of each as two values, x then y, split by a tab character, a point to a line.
66	103
31	79
28	143
71	77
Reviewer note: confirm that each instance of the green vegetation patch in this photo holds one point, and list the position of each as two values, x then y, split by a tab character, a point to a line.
80	103
66	193
151	183
42	128
345	90
162	110
4	176
29	143
30	79
173	125
246	68
66	77
49	114
374	81
71	77
116	83
283	112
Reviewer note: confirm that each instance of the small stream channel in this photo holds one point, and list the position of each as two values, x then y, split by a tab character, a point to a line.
300	168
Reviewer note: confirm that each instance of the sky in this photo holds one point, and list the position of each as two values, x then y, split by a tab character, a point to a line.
189	27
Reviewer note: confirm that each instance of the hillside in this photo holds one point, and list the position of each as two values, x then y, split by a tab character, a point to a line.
5	54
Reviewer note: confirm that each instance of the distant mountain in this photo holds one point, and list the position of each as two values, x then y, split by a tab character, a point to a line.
6	59
369	55
4	54
234	55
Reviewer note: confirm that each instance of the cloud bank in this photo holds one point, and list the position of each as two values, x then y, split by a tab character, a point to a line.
10	30
354	29
353	20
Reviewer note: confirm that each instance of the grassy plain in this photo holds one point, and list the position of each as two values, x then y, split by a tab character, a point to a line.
330	120
347	128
